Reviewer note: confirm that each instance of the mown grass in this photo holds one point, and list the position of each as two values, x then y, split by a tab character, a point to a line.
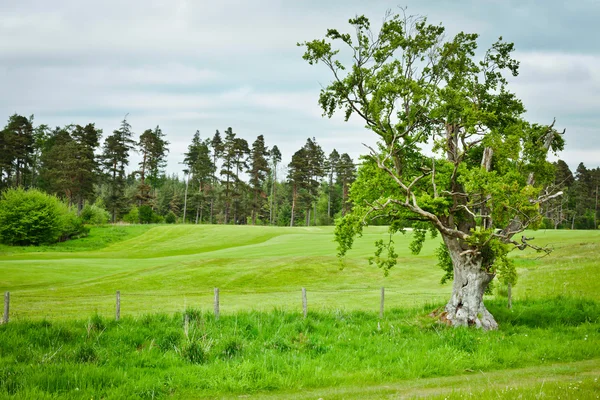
263	352
166	268
99	238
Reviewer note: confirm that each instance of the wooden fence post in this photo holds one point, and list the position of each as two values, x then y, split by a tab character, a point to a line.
217	303
118	307
381	305
509	293
304	303
6	307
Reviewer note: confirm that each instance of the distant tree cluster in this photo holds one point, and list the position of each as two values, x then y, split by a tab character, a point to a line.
577	208
226	179
230	181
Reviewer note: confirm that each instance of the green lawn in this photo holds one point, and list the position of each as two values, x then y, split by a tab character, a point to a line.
166	268
62	340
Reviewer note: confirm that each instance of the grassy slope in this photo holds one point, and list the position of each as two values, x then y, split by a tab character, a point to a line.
255	267
167	267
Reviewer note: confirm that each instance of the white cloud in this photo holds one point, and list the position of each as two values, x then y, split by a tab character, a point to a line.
190	65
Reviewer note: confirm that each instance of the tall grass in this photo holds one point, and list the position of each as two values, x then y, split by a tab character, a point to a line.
159	355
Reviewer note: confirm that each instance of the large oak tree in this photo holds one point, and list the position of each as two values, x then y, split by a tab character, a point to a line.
414	87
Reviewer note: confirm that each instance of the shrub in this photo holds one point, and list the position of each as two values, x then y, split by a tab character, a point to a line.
31	217
146	215
94	215
72	227
133	216
171	218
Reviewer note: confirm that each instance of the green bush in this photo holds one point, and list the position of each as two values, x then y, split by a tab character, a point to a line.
133	216
171	218
94	215
31	217
72	227
146	215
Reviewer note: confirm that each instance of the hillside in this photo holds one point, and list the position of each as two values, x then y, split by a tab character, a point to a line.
165	268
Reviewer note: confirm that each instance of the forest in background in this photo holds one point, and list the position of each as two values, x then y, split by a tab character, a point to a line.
226	179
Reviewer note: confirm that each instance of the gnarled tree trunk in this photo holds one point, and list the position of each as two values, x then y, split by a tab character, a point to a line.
466	307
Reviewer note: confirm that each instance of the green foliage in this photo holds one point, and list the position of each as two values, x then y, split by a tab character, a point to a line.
387	261
69	166
17	141
171	218
413	85
416	245
133	216
114	159
445	263
94	215
100	236
346	229
73	226
145	214
31	217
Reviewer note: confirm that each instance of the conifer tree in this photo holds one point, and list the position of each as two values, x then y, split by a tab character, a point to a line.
331	167
259	170
153	149
16	150
115	157
275	156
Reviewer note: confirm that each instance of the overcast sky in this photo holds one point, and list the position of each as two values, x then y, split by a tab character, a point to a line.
204	65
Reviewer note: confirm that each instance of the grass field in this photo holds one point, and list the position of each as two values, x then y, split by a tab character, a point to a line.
167	268
62	340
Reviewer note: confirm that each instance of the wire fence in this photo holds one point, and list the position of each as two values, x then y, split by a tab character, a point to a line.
56	305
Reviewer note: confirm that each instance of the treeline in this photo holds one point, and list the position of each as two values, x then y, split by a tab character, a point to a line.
226	180
577	208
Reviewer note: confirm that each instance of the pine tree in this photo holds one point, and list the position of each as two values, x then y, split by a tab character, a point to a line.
583	197
69	166
153	148
275	156
259	171
316	171
227	168
217	151
16	150
346	174
240	160
299	178
202	169
331	168
115	157
557	210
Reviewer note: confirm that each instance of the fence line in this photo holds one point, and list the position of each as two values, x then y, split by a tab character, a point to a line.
216	300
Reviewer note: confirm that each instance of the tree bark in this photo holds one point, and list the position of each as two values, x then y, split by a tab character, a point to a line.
187	182
466	307
293	205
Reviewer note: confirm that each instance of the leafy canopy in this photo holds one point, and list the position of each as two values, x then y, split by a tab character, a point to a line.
485	179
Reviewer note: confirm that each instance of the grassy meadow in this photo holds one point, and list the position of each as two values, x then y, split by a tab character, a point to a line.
62	340
169	268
